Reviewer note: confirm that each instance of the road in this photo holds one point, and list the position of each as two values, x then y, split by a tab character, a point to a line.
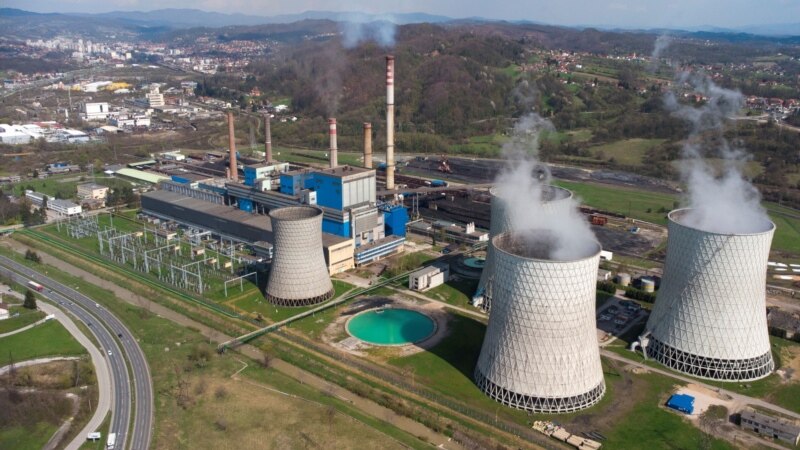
102	370
107	329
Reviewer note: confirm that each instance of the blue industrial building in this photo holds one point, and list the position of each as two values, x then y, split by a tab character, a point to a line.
681	402
346	195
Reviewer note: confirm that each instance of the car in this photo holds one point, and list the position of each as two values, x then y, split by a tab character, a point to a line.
119	335
604	317
97	305
109	353
612	310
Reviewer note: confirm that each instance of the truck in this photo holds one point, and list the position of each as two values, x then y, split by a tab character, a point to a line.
438	183
598	220
35	286
112	440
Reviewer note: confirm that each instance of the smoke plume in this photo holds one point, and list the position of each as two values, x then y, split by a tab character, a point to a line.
524	185
359	28
662	43
721	198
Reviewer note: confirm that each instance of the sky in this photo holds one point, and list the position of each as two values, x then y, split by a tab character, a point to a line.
615	13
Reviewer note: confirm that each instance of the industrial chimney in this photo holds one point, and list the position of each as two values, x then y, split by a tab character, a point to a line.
334	151
234	172
368	145
389	122
267	139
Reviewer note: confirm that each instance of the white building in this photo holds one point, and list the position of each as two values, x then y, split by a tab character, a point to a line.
4	314
95	111
92	191
155	99
130	121
429	277
64	207
540	352
710	317
14	135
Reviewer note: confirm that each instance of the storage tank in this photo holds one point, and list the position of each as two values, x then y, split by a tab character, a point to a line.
709	319
540	352
648	284
624	279
298	275
553	198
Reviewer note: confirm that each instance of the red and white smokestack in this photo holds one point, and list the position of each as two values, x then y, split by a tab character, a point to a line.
267	139
368	145
234	171
389	122
334	151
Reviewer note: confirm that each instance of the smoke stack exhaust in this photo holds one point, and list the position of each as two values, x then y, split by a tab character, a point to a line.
389	122
368	145
234	172
334	151
267	139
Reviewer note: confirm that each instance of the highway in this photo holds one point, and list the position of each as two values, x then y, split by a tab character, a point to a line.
125	351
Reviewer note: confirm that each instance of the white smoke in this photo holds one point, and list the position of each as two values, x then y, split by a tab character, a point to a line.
358	28
722	199
662	43
524	185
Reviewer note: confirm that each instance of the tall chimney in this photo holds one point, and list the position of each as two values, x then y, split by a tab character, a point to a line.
334	151
389	122
267	139
368	145
234	172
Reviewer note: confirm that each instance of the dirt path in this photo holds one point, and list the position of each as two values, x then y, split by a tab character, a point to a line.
368	406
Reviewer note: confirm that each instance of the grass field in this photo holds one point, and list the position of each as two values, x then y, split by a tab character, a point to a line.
256	304
650	423
458	293
26	317
48	339
189	412
316	156
629	152
26	438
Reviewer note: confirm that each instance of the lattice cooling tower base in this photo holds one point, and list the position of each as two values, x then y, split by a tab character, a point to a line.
711	368
549	405
300	302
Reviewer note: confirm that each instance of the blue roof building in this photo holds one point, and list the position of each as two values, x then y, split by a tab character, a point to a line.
681	402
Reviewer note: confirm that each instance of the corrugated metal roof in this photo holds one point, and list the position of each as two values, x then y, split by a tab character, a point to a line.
148	177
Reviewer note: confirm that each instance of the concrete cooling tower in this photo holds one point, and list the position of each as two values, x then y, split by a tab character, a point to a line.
554	197
709	319
540	352
298	275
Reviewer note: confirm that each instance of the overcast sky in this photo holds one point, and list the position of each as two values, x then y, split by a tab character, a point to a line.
622	13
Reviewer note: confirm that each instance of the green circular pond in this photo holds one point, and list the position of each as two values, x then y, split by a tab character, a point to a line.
475	263
391	326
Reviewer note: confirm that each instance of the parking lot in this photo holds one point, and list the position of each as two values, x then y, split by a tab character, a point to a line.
617	316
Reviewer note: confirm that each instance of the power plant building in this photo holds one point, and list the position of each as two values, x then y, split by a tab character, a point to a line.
710	319
553	198
540	352
298	275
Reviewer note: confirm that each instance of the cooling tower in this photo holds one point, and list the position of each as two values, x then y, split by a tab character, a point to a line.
500	222
298	275
540	352
709	319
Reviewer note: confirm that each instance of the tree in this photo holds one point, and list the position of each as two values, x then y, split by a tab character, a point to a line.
30	300
31	255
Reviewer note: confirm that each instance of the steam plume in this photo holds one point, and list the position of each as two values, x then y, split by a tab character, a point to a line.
524	186
722	199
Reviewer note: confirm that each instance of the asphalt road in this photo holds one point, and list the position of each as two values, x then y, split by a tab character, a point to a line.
111	334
